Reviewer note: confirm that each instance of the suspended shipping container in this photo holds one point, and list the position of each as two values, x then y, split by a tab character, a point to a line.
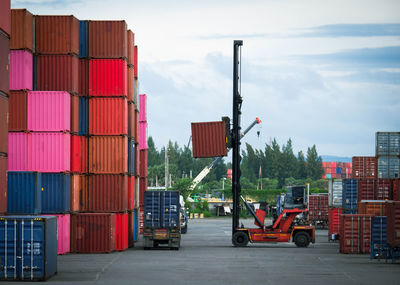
49	111
3	124
21	70
93	233
63	233
355	234
79	154
17	152
22	30
55	193
33	239
83	116
208	139
4	64
79	189
318	208
83	39
387	143
3	184
121	232
364	167
108	77
393	224
24	195
108	116
17	113
57	35
389	167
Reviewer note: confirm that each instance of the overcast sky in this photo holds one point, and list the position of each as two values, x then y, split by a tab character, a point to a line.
319	72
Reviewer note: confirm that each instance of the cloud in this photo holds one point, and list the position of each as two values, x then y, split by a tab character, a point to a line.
55	4
376	77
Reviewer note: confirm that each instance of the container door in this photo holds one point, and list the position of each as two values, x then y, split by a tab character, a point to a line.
33	254
170	209
9	249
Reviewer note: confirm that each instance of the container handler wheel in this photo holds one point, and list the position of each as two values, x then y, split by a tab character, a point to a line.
240	239
302	239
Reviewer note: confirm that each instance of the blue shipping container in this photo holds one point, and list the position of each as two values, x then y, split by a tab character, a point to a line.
329	176
83	39
28	247
378	230
55	193
83	116
161	209
24	195
350	196
131	157
135	226
338	170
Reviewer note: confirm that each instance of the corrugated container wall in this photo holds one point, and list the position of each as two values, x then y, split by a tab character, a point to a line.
364	167
17	151
49	111
21	70
22	30
49	152
393	224
4	64
79	188
334	222
17	116
131	192
131	47
57	35
143	108
57	73
143	162
372	207
355	234
23	233
83	116
131	157
83	39
63	233
335	192
143	135
350	191
131	121
108	154
108	77
209	139
378	230
387	143
107	193
108	116
389	167
135	61
3	184
83	77
396	189
79	154
3	124
74	114
131	84
131	229
93	233
107	39
5	17
55	193
24	195
121	237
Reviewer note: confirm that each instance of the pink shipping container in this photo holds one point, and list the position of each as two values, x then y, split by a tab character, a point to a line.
143	135
143	108
63	233
21	68
49	152
17	152
49	111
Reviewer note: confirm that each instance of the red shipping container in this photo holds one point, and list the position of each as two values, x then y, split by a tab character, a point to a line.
121	240
136	136
396	189
108	116
79	154
4	64
364	167
3	124
107	193
108	77
318	208
108	39
383	189
372	207
131	193
74	114
21	30
142	189
131	47
3	184
57	35
366	189
83	77
131	229
135	61
131	120
57	73
393	223
131	84
5	17
355	234
334	221
143	162
333	165
141	220
78	196
209	139
93	233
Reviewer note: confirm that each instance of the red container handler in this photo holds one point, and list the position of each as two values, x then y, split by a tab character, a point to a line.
93	233
364	167
108	77
3	184
334	223
131	193
79	154
121	239
355	234
209	139
393	223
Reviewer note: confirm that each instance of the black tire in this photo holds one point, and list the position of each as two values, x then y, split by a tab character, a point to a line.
184	229
240	239
302	239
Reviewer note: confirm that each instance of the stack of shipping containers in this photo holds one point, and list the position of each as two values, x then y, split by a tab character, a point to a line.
5	31
336	170
143	154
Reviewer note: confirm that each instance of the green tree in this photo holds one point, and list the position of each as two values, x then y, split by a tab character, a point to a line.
183	185
314	164
301	166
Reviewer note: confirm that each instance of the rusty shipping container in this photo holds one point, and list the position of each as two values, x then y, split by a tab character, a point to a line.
209	139
5	17
22	30
355	234
3	184
108	116
4	64
83	77
93	233
364	167
79	154
393	223
79	188
131	47
108	39
108	154
372	207
57	73
57	35
107	193
131	120
3	124
17	112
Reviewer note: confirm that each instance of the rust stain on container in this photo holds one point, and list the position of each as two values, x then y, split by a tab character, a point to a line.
57	73
4	64
108	154
21	30
3	184
107	193
79	188
108	39
209	139
131	47
131	121
393	223
83	77
3	124
74	114
93	233
57	35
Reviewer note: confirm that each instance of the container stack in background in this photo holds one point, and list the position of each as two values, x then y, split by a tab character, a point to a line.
143	155
337	170
5	31
318	209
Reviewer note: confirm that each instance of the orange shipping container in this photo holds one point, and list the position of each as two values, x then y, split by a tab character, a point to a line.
74	114
79	188
131	121
21	30
131	82
17	111
57	35
108	39
209	139
108	154
131	193
131	47
372	207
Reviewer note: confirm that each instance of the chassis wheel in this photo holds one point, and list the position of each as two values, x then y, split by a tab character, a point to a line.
184	229
302	239
240	238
